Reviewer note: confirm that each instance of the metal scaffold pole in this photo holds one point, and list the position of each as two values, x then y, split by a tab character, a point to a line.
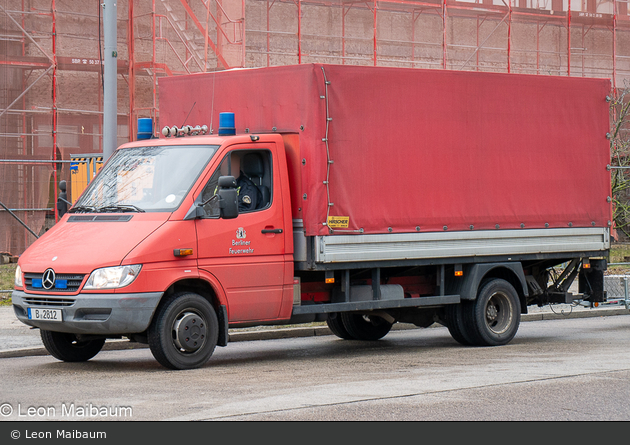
110	60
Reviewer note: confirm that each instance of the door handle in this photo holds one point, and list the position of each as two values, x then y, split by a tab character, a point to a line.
271	231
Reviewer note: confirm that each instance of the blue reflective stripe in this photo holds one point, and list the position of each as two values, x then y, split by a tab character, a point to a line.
37	282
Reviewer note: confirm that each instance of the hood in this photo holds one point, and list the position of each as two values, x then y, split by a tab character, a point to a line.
80	242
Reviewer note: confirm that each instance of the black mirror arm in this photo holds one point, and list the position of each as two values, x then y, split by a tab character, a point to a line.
209	200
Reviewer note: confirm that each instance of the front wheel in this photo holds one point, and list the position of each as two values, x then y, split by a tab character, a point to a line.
184	331
495	315
69	348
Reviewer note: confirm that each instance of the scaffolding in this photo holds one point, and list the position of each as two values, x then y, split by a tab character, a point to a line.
51	78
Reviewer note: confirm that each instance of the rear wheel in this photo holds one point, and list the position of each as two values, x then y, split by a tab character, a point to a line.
495	315
70	348
364	327
455	322
335	324
184	331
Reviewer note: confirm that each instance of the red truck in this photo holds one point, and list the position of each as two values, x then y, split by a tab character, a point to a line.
381	196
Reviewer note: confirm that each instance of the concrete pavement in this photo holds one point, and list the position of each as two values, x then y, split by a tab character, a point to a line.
19	340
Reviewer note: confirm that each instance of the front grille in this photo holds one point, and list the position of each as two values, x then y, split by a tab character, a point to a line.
72	283
49	301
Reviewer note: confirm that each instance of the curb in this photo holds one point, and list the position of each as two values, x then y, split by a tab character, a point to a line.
316	331
591	313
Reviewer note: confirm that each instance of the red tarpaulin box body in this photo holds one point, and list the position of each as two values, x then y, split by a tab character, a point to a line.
405	150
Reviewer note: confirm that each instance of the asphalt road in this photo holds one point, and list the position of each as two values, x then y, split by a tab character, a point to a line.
574	369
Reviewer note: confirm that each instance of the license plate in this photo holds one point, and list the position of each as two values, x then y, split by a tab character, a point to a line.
44	314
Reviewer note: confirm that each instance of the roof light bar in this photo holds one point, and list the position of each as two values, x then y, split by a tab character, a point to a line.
186	130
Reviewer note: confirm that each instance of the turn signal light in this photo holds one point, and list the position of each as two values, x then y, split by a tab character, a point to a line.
330	280
182	252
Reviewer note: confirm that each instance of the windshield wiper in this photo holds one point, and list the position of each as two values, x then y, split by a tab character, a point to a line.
83	209
119	208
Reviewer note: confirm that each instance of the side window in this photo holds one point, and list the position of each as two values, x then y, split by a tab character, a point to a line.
211	188
252	170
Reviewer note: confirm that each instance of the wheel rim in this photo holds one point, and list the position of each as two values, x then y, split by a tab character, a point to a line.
189	331
498	313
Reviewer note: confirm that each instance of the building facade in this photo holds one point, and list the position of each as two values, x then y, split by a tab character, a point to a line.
51	52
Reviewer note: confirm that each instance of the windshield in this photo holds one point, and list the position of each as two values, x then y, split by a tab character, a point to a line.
152	179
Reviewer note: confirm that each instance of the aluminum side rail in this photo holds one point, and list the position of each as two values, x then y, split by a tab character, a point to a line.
490	243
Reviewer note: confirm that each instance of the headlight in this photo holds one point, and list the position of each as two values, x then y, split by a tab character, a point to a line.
18	277
113	277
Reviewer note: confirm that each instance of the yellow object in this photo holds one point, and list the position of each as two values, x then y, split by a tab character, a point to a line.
82	170
338	222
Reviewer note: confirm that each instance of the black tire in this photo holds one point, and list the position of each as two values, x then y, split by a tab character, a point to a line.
454	315
362	327
335	324
67	348
169	335
494	317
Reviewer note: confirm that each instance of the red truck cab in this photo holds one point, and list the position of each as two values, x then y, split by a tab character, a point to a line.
149	251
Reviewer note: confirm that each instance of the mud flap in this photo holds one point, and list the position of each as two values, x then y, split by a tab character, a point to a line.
591	281
223	326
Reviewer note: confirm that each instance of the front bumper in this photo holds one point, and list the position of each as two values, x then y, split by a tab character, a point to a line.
99	314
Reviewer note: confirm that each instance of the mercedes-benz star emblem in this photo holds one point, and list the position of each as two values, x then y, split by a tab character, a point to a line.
48	279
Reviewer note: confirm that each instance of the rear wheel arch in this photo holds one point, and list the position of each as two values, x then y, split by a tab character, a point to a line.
476	274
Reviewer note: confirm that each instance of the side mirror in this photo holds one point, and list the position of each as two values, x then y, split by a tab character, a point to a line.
226	194
228	197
